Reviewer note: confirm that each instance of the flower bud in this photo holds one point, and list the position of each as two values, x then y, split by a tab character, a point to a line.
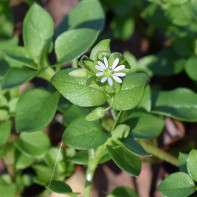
78	73
96	114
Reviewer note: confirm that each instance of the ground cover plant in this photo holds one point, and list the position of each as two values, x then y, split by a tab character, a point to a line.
113	103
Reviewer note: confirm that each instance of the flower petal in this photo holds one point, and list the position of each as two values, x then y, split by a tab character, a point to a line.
119	68
103	79
110	82
119	74
102	65
99	74
117	79
115	63
106	62
99	68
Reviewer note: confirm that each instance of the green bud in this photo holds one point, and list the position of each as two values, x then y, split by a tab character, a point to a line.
78	73
96	114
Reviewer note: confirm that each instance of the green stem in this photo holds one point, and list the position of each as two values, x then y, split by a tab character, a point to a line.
46	73
94	158
157	152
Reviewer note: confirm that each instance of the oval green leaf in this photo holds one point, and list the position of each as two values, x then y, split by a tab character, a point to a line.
86	14
192	164
34	144
73	43
144	125
38	27
190	68
17	76
82	134
35	109
124	159
178	184
123	191
131	93
76	91
179	104
5	129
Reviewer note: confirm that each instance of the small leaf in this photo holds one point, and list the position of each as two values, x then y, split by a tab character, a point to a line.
192	164
17	76
190	68
144	125
38	27
76	91
81	134
178	184
61	188
35	109
131	93
20	55
5	129
124	159
122	191
22	161
73	43
134	147
6	189
96	114
183	162
103	45
34	144
73	112
179	104
86	14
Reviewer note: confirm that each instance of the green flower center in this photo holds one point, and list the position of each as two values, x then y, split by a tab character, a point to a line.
108	73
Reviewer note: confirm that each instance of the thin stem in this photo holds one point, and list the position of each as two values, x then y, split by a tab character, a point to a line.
94	158
46	73
157	152
116	120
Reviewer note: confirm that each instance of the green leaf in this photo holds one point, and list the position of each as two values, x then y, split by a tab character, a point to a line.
43	174
81	157
6	189
22	161
124	159
17	76
61	188
180	15
96	114
190	68
192	164
123	27
73	43
146	100
122	191
131	93
20	55
103	45
86	14
35	109
121	131
178	184
76	91
183	162
82	134
34	144
179	103
134	147
74	112
144	125
166	63
38	27
5	129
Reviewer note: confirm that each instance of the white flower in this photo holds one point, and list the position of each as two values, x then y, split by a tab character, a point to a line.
110	72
